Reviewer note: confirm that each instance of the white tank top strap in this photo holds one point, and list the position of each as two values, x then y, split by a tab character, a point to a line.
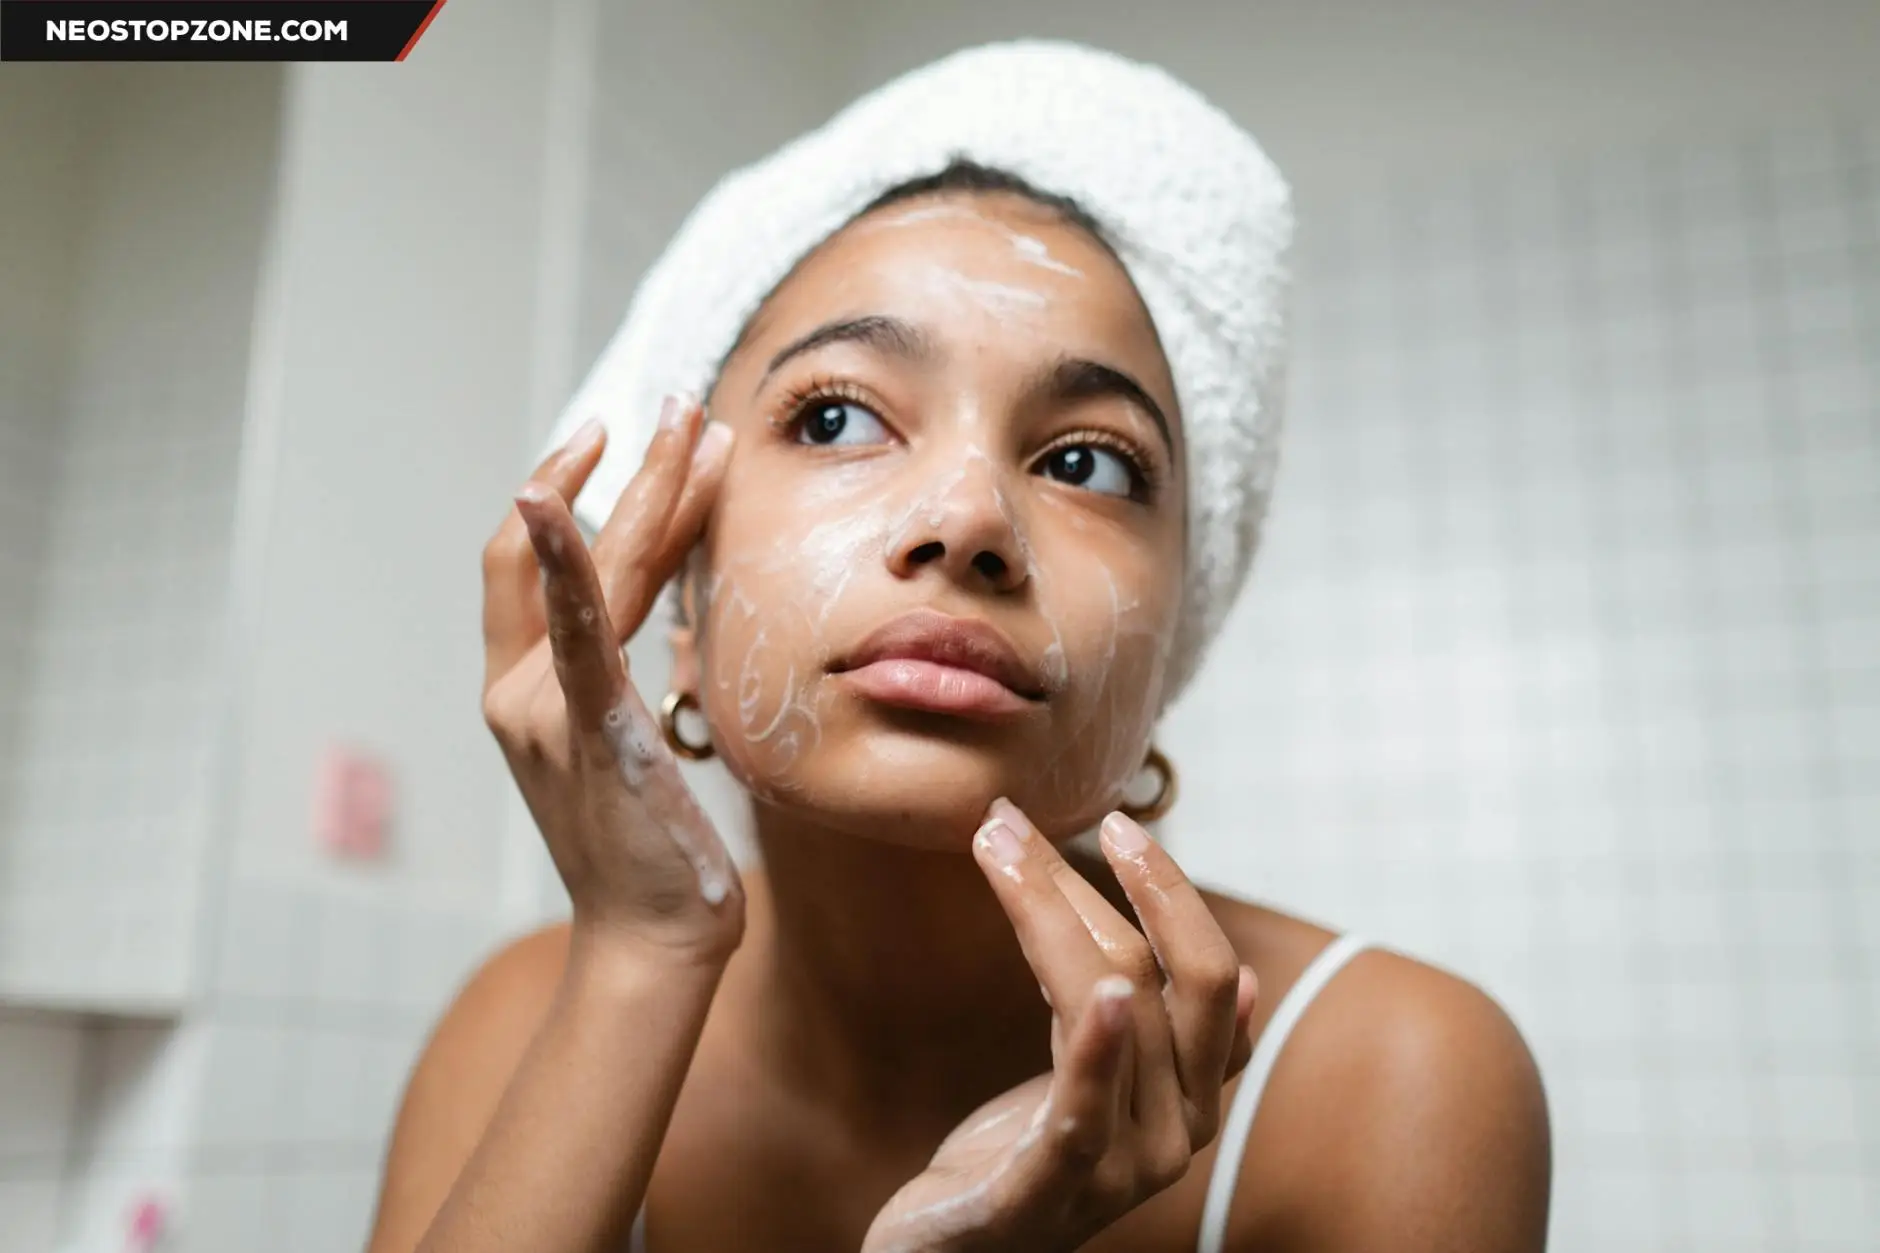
1246	1102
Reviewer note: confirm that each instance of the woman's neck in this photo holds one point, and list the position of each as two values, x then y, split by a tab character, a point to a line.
886	982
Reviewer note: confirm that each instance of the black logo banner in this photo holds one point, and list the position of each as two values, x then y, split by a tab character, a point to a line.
212	30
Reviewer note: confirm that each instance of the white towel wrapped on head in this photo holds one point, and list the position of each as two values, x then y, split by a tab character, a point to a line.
1200	217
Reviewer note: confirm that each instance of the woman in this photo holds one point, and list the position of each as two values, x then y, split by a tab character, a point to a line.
982	471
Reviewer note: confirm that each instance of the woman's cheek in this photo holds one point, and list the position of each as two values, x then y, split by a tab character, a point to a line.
1116	643
759	689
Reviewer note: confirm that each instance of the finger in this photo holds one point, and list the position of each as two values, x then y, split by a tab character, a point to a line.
1056	943
1201	966
1089	1097
631	537
512	590
1159	1101
706	475
587	660
1125	946
1248	998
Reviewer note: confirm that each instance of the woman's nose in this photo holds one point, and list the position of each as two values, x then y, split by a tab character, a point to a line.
964	527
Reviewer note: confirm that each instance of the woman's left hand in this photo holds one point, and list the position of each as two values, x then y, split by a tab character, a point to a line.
1144	1033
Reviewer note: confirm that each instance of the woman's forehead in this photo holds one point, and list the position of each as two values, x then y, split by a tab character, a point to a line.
988	272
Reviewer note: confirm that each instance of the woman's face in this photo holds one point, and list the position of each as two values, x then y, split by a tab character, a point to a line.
947	557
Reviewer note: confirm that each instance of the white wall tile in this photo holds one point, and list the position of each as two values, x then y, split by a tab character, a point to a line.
252	948
245	1098
1835	1210
225	1212
31	1207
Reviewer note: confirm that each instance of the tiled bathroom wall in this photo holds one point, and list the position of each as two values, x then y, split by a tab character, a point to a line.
36	256
39	1053
1561	665
245	1078
388	408
123	406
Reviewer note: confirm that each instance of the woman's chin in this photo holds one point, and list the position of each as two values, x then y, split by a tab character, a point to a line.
932	796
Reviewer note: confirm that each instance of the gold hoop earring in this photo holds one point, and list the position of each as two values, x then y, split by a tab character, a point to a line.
669	726
1164	798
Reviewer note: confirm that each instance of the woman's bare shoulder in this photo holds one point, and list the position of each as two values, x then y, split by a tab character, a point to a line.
459	1078
497	1011
1406	1100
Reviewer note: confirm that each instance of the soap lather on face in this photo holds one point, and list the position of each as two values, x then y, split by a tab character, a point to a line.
939	490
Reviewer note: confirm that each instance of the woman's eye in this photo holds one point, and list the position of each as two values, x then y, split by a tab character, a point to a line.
1087	466
839	422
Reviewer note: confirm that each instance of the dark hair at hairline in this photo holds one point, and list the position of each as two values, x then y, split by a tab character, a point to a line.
964	174
960	174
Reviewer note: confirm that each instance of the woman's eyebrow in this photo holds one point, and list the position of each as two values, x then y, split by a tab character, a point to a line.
1078	378
887	335
1066	378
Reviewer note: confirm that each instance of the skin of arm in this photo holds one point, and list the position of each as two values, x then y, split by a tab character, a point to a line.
535	1114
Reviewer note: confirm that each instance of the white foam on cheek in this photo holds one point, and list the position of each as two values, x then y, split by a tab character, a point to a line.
790	729
832	550
1097	707
835	549
1057	667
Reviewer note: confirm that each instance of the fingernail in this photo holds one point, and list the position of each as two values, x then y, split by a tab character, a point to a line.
533	493
547	548
1010	814
999	840
669	412
1124	834
712	445
585	435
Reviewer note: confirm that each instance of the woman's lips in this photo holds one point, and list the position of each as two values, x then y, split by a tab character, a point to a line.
933	661
930	685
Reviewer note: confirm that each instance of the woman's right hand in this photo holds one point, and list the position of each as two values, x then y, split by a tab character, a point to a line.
641	861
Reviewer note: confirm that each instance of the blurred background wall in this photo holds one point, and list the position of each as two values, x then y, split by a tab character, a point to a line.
1561	666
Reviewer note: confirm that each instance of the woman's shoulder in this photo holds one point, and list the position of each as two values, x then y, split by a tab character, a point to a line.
1405	1095
460	1077
487	1026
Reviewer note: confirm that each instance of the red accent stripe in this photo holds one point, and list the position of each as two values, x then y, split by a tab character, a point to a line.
422	27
